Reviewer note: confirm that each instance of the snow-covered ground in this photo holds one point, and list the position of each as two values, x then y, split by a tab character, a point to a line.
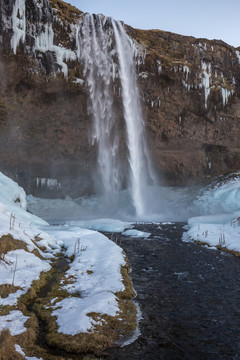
95	270
96	273
220	224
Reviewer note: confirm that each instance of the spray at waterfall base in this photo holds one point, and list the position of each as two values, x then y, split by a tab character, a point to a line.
106	52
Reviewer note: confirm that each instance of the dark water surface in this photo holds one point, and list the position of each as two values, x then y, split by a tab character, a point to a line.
189	297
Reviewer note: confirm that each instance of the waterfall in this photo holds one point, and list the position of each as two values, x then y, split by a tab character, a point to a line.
94	52
106	52
140	166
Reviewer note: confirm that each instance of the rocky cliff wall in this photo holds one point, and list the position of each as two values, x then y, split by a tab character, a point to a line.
190	94
190	90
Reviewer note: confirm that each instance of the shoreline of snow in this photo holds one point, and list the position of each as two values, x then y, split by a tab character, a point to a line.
219	231
95	268
96	271
219	226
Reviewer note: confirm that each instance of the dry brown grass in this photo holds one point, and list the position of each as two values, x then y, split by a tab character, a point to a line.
6	289
219	247
4	310
7	349
33	304
65	10
8	243
89	272
105	334
223	248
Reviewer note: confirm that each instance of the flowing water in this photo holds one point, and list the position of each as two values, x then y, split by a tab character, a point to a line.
189	298
140	165
107	54
94	52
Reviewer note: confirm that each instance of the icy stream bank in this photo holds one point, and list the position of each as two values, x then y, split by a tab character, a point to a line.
90	293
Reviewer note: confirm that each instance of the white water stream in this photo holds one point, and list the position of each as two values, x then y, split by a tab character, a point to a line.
105	50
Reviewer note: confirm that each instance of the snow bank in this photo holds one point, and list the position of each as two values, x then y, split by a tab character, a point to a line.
223	234
14	321
72	316
11	192
28	268
21	267
222	227
96	274
16	221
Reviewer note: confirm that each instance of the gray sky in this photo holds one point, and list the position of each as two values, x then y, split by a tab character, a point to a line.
211	19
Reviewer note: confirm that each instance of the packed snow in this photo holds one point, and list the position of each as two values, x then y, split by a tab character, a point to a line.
96	274
28	268
14	321
95	268
72	316
216	232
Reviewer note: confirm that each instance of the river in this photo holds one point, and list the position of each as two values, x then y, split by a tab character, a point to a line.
189	296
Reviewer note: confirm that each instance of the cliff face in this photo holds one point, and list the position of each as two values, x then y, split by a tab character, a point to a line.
190	94
191	91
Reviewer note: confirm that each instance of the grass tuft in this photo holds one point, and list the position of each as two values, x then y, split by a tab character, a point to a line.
7	349
65	10
219	247
6	289
8	243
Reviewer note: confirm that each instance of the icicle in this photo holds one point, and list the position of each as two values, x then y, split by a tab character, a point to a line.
206	75
238	55
18	24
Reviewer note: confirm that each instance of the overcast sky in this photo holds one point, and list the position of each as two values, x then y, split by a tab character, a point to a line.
211	19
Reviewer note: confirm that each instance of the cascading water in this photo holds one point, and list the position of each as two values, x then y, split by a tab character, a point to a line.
94	52
102	42
140	165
